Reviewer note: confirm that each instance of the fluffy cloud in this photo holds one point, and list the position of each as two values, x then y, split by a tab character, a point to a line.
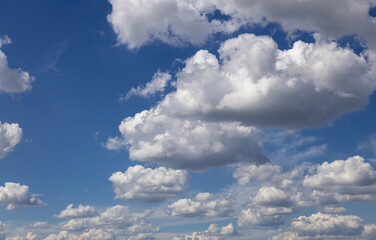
12	80
251	217
305	86
92	234
369	232
116	221
212	233
189	144
80	212
157	84
177	21
244	174
40	225
28	236
149	185
202	205
327	225
16	195
2	231
10	136
345	180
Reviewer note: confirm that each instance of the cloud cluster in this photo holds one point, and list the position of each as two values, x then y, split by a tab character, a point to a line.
202	205
10	136
199	126
177	22
149	185
12	80
212	233
17	195
80	212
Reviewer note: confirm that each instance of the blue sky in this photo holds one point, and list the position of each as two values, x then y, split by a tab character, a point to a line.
187	119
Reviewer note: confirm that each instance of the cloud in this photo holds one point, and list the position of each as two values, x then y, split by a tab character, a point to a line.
244	174
149	185
157	84
12	80
369	232
2	231
92	234
10	136
202	205
327	225
80	212
115	222
251	217
177	22
40	225
212	233
17	195
28	236
345	180
188	144
308	85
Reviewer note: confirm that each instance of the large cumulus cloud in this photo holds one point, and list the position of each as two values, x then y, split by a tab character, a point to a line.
10	136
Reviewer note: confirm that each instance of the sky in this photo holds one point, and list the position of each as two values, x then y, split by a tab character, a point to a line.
192	120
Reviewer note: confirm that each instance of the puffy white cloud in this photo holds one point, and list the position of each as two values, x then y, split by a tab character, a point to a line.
251	217
244	174
16	195
10	136
12	80
28	236
177	21
149	185
369	232
158	84
305	86
325	226
91	234
202	205
189	144
345	180
117	220
212	233
80	212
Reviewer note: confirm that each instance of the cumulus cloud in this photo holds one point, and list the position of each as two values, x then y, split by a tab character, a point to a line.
305	86
80	212
369	232
2	231
158	84
28	236
92	234
176	22
202	205
115	222
327	225
149	185
17	195
212	233
251	217
244	174
12	80
10	136
345	180
189	144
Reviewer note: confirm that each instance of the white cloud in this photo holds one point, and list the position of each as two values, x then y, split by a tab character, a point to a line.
251	217
188	144
327	225
175	22
115	222
12	80
244	174
305	86
149	185
10	136
346	180
28	236
202	205
369	232
157	84
16	195
2	231
91	234
212	233
80	212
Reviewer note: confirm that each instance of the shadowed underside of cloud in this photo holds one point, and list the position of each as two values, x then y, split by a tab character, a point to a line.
16	195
